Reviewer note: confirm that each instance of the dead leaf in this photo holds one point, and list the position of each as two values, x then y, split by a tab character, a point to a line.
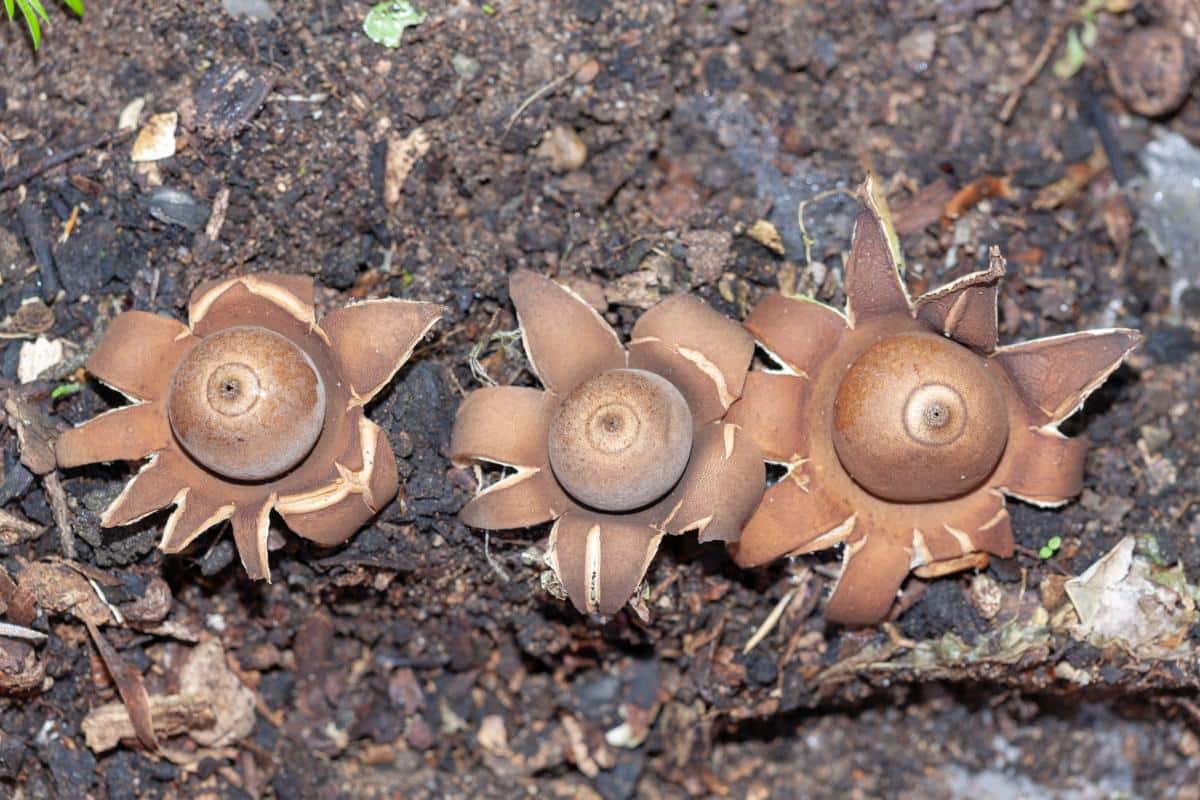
402	155
1073	181
130	686
1122	598
59	589
207	674
20	669
38	356
973	193
915	213
492	735
767	235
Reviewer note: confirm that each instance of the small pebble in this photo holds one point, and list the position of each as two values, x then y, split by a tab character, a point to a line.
177	208
563	148
257	10
467	68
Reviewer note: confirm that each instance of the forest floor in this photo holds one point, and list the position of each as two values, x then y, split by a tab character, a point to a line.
591	141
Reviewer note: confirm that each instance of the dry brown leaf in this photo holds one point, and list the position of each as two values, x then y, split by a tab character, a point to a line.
207	674
61	590
212	706
130	686
1076	178
973	193
14	529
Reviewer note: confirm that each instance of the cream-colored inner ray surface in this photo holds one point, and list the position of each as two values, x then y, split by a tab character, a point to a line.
357	399
168	545
347	483
267	290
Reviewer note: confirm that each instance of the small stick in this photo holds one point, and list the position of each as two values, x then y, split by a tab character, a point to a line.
1035	69
35	233
57	496
770	622
33	170
539	94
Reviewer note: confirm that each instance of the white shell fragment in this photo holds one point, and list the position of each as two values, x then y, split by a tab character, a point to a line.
156	140
38	356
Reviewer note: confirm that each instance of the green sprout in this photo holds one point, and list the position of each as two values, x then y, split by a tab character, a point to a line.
65	390
1050	547
1083	38
386	21
31	10
488	9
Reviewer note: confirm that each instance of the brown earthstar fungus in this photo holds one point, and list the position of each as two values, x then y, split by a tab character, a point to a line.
622	447
901	426
252	407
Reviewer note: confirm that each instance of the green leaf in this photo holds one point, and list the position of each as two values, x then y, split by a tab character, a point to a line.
1045	553
386	21
1072	58
1054	542
76	6
10	7
1088	34
35	30
37	6
65	390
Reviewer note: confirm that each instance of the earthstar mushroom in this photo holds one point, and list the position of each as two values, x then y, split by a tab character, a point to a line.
253	407
622	447
901	426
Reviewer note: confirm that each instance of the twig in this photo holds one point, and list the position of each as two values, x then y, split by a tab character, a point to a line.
1035	69
57	497
1031	553
538	95
816	198
39	243
20	632
770	622
35	169
495	565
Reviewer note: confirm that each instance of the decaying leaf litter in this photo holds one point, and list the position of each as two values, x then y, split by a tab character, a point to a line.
633	151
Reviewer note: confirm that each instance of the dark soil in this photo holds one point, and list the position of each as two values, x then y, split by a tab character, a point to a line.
387	667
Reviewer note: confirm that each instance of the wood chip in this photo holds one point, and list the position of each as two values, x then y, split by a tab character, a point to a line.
105	726
35	433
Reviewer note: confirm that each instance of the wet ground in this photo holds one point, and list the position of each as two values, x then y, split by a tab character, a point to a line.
589	141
